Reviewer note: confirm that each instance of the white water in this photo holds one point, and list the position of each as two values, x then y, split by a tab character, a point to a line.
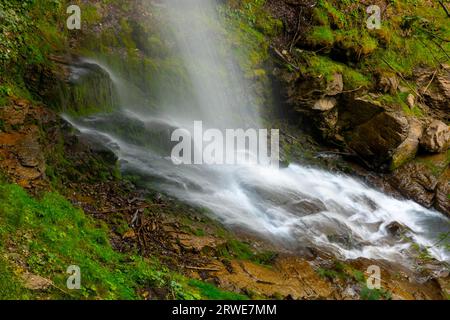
296	206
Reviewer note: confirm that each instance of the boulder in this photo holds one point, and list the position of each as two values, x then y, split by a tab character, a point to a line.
378	140
425	180
355	111
408	149
436	138
442	201
325	104
389	83
416	182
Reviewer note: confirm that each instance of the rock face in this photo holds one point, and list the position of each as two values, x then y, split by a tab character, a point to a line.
409	147
442	200
378	140
435	88
21	154
425	180
436	137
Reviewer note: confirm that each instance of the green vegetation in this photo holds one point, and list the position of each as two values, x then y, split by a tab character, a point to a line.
212	292
30	31
48	235
343	272
239	250
250	30
413	34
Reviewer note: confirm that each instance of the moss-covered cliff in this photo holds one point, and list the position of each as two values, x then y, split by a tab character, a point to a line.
312	64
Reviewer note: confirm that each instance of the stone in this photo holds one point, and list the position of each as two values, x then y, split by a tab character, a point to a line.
411	101
29	152
415	182
335	86
356	111
325	104
436	138
425	180
442	200
409	148
389	83
35	282
377	140
435	88
396	229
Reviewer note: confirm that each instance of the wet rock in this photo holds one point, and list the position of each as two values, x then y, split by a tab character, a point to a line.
416	182
355	111
101	149
442	202
326	124
436	137
344	240
198	244
289	277
377	140
396	229
29	152
307	207
408	149
425	180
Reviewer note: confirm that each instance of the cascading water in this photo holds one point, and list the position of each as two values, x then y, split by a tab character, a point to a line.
295	206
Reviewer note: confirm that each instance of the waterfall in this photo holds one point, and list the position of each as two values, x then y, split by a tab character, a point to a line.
296	206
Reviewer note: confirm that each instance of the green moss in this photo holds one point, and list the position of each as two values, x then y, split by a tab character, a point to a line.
250	29
374	294
320	36
54	235
11	287
91	14
354	79
235	249
336	18
213	293
320	17
356	43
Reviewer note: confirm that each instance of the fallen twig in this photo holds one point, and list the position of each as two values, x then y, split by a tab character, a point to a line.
432	78
401	76
126	209
284	59
202	269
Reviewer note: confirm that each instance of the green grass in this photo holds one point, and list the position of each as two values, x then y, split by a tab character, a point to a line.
413	34
53	235
10	286
344	272
235	249
321	36
213	293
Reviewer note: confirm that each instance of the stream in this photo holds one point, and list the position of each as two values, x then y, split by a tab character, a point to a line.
297	206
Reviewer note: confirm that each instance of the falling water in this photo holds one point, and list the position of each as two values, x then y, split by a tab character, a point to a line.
296	205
